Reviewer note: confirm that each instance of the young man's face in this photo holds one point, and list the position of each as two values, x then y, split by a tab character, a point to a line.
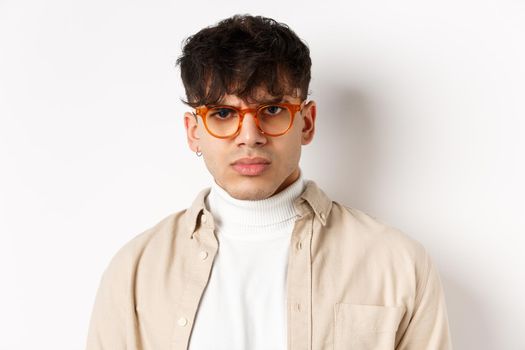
277	157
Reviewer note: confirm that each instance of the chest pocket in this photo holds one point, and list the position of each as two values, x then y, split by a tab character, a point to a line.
366	327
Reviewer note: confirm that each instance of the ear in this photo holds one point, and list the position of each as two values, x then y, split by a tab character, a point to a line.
191	125
308	115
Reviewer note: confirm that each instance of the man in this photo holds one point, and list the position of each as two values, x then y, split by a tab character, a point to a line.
264	259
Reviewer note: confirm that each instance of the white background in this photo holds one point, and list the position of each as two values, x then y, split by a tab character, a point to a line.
420	124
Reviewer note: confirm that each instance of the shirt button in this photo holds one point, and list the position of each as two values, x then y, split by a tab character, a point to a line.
323	217
299	245
203	255
182	321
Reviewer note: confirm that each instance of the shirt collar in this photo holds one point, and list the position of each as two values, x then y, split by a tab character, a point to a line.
317	201
313	199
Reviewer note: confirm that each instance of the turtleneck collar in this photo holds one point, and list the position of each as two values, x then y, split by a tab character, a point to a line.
267	217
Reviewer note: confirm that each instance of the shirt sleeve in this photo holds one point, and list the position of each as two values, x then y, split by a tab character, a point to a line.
113	319
428	327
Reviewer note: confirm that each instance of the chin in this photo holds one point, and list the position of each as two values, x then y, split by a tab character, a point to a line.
250	192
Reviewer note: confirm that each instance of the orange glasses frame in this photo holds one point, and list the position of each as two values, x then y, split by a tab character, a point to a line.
292	108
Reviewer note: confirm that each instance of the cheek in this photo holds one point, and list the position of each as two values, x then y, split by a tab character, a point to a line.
289	152
215	156
207	142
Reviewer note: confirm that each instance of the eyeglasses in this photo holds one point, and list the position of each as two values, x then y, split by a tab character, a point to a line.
225	121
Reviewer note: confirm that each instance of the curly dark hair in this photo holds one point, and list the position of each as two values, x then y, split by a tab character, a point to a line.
241	54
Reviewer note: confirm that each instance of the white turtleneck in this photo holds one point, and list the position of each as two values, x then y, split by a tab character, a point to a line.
244	304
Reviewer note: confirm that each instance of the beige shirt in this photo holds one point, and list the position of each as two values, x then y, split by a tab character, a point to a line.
352	283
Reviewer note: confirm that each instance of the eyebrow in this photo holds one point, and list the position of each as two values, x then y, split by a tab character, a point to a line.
278	100
260	102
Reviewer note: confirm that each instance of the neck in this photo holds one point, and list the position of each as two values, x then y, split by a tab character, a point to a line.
253	218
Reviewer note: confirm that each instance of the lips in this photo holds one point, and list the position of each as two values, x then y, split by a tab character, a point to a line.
251	166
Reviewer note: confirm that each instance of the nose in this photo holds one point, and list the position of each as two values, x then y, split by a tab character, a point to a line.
250	135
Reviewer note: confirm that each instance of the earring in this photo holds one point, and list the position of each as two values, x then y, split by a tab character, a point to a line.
198	153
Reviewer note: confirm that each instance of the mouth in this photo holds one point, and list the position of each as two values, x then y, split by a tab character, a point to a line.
251	166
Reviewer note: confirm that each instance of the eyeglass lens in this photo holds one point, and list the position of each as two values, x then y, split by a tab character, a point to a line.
224	121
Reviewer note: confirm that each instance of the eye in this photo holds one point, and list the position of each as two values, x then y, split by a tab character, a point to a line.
221	113
272	110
